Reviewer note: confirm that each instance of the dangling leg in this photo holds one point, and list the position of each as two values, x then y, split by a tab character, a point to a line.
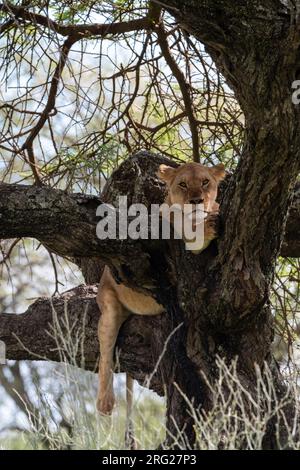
130	442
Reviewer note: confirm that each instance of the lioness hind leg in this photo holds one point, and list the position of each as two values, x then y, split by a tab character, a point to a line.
111	319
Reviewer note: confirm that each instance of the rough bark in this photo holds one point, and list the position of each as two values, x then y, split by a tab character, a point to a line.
66	223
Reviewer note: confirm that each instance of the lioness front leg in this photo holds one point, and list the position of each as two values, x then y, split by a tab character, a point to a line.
111	319
211	227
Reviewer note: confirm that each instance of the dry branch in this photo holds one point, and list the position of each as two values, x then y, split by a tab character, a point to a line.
80	31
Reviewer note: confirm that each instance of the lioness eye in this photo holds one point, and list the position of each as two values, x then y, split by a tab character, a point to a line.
205	182
182	184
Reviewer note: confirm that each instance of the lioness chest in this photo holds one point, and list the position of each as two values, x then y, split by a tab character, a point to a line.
132	300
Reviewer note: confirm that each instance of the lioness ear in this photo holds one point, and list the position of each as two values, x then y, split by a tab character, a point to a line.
218	171
166	173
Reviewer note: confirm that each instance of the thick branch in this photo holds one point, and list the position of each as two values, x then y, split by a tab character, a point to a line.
41	333
231	31
28	144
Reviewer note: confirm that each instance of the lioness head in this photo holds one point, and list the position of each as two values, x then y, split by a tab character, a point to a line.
192	183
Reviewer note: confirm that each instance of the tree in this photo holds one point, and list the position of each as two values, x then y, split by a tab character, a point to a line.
217	303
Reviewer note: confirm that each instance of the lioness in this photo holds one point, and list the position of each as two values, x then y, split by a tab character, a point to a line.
191	183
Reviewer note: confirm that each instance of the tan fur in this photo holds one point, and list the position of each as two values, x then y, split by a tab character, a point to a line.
186	184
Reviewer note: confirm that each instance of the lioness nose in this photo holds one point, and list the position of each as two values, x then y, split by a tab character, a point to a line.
196	200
